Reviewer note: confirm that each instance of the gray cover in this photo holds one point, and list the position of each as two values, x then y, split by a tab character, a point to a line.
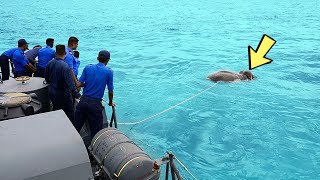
31	85
121	157
34	85
44	146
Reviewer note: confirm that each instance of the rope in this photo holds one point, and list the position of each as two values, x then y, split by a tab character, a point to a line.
184	167
166	110
170	108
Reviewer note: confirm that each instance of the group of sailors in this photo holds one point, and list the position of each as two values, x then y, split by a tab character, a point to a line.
59	67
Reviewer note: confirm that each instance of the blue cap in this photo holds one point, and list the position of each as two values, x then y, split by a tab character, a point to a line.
22	42
104	54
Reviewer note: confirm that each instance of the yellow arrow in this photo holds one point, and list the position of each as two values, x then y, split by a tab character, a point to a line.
258	58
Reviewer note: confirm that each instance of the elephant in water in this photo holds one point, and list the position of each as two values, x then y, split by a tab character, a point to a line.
228	76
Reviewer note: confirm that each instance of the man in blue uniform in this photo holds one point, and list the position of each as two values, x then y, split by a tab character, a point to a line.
44	56
94	79
4	62
22	66
70	59
62	89
32	54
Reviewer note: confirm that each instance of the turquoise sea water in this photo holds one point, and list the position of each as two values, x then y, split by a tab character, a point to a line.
162	52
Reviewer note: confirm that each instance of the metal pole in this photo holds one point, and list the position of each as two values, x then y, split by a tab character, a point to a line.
167	171
111	120
173	166
172	170
114	117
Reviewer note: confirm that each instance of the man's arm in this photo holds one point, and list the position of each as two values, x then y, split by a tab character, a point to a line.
76	82
110	94
69	60
30	67
110	88
24	61
70	84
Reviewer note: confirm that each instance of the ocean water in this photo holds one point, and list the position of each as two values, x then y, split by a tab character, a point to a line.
161	53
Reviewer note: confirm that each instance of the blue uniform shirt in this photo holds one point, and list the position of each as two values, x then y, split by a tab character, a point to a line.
95	78
45	55
9	53
19	60
71	60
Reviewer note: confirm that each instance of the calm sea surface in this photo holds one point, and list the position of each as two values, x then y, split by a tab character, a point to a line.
162	52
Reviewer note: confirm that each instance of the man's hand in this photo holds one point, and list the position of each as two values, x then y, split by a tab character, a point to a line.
78	84
30	68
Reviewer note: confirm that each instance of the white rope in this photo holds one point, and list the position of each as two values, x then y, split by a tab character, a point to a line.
185	167
170	108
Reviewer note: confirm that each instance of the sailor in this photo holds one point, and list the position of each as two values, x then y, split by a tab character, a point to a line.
44	56
4	62
76	66
32	54
22	66
62	89
94	79
70	59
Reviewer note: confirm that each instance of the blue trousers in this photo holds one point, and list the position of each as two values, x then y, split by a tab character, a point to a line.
89	109
39	72
62	100
5	69
22	73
